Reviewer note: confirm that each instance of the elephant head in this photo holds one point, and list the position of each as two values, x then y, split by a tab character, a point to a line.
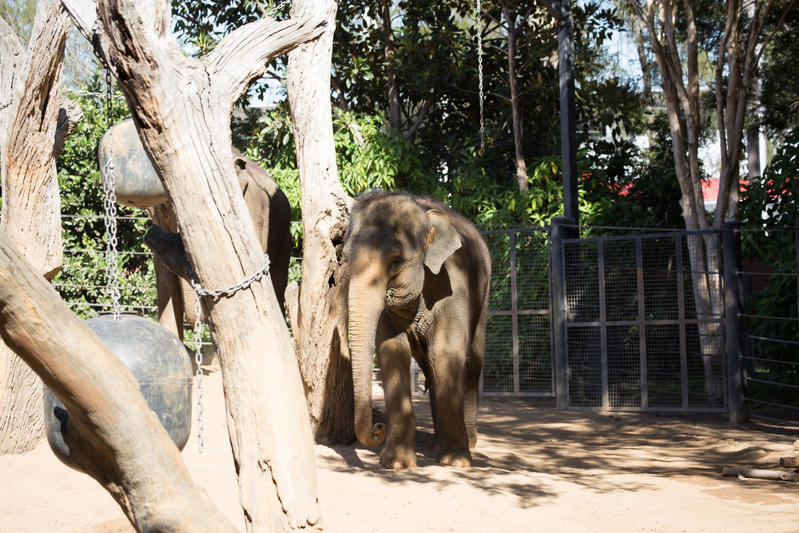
391	242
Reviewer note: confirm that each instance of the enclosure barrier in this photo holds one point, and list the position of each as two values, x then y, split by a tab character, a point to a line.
768	307
609	322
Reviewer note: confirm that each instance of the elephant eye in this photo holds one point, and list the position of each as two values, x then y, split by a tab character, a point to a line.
395	264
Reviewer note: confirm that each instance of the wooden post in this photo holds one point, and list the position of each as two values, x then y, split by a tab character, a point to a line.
181	107
733	325
30	139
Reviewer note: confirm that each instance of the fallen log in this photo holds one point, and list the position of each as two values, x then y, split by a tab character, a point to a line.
789	462
754	473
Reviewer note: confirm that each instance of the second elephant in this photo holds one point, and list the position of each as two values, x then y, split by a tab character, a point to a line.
122	157
270	212
419	279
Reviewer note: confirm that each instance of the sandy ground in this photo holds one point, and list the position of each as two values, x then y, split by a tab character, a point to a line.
536	469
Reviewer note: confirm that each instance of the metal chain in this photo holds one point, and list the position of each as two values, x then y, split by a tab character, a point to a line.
198	356
230	291
198	360
109	95
110	208
110	213
480	74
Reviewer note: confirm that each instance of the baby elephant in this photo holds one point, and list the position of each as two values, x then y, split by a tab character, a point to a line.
418	288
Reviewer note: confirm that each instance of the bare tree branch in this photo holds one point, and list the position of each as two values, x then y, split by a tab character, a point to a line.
244	54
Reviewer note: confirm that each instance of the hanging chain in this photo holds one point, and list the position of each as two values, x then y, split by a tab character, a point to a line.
109	95
198	360
110	214
480	74
198	356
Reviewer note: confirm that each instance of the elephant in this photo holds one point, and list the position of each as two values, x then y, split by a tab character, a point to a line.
137	184
270	212
418	287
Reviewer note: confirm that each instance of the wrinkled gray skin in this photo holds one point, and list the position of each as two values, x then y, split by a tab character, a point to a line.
137	184
270	212
418	288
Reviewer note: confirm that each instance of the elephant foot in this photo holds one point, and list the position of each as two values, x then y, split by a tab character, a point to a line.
398	457
456	458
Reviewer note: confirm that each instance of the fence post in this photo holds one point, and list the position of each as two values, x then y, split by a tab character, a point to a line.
560	230
733	324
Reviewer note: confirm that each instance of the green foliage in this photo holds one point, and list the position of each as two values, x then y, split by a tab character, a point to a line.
82	278
773	202
629	188
780	98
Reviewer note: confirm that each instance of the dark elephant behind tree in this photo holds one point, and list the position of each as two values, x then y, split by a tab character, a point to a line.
137	184
419	280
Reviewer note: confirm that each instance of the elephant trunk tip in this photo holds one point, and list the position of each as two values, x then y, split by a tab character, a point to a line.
376	436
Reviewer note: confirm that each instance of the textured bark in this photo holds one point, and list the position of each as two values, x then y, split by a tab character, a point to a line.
321	319
114	436
516	113
389	52
31	204
181	107
678	63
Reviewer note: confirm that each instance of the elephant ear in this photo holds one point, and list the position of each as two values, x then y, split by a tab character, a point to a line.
240	164
443	240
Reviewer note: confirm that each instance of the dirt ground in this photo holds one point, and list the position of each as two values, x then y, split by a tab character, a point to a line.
535	469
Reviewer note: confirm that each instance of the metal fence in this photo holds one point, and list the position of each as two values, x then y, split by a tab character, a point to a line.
610	322
636	337
518	338
769	319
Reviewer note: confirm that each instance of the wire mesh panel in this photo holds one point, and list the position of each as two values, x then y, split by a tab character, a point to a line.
624	366
770	351
498	365
644	322
620	273
518	357
585	370
535	354
582	280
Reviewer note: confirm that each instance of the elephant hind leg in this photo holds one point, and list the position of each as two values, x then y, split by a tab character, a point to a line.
471	379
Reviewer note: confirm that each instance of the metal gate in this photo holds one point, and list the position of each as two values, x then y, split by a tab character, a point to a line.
518	359
635	336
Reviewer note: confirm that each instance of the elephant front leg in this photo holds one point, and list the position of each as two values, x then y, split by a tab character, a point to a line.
394	356
452	441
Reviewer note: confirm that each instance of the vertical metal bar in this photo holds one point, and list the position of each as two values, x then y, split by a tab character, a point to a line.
733	308
796	231
552	382
680	267
603	327
639	276
514	308
559	311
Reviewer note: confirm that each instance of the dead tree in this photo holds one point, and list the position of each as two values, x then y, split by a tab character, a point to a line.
119	440
32	131
319	320
181	107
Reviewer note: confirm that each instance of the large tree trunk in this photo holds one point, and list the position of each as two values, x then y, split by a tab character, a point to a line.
118	441
737	58
181	107
516	113
31	204
389	51
321	330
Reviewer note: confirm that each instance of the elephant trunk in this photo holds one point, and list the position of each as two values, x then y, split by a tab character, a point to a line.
365	305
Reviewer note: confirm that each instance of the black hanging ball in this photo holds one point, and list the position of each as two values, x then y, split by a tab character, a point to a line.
158	361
